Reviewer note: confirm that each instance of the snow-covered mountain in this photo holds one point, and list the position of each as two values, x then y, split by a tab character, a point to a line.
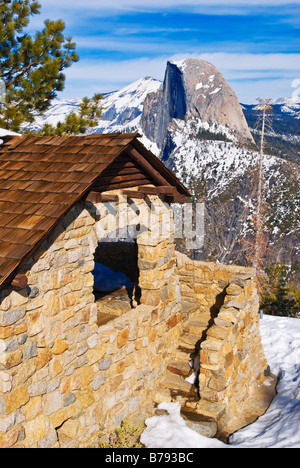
193	89
122	109
290	105
58	111
284	136
195	124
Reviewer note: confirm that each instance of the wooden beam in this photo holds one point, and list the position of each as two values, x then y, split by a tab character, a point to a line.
133	194
178	198
124	164
171	193
125	171
138	158
19	282
96	197
120	185
160	190
111	180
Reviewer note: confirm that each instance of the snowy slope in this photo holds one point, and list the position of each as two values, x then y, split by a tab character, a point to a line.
290	105
191	156
221	170
211	156
279	427
58	111
121	109
4	132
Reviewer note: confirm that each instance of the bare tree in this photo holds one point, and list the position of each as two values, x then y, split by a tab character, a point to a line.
263	110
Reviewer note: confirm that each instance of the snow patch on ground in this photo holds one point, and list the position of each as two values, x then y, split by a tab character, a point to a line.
279	427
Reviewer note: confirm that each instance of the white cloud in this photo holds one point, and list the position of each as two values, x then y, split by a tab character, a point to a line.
252	62
116	72
249	91
138	4
268	75
67	8
234	65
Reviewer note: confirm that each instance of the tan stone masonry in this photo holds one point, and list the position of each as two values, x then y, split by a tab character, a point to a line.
65	376
235	384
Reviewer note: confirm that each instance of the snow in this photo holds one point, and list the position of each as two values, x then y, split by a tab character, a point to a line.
290	105
182	64
132	95
201	85
215	91
289	101
4	132
279	427
170	431
59	110
217	161
121	109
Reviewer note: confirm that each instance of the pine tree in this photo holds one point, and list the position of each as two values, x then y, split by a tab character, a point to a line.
280	296
30	66
76	123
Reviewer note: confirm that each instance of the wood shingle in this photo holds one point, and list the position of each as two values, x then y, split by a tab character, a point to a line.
41	178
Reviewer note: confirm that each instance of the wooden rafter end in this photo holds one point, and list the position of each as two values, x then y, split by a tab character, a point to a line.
19	282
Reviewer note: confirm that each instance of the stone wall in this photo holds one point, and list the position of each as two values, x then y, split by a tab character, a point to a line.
235	385
64	379
66	376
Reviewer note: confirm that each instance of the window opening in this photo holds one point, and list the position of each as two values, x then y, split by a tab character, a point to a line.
116	277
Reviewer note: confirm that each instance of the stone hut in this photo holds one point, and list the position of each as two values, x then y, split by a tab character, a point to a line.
82	349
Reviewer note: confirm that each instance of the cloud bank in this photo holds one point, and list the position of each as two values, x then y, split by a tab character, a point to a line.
249	74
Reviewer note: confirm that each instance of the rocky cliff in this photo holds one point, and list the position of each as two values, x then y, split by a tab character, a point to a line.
194	122
193	89
225	175
203	136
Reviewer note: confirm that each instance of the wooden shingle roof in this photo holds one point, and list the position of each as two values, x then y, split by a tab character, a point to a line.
41	178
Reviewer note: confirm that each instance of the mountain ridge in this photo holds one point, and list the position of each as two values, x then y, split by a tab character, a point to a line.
193	89
212	161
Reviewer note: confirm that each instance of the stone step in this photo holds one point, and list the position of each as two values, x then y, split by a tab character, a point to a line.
195	327
182	368
182	355
162	395
178	386
187	342
203	426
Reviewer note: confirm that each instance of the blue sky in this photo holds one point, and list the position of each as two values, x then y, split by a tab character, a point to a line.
253	43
